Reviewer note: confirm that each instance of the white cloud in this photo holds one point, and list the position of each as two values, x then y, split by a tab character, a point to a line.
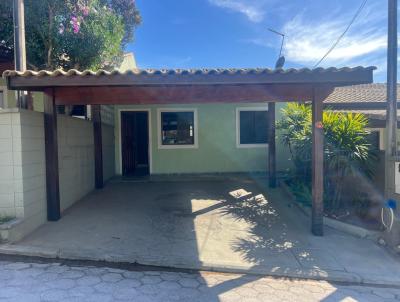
308	42
251	9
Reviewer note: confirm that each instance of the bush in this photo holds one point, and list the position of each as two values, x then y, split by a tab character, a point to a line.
347	152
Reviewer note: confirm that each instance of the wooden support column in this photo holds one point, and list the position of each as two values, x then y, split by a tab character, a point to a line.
317	165
98	146
51	154
271	146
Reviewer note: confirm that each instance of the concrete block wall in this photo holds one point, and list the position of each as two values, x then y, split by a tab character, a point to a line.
22	165
76	159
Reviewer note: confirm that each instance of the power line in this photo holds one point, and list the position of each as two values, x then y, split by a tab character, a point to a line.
344	33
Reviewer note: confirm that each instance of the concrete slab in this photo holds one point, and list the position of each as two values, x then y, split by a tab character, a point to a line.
232	225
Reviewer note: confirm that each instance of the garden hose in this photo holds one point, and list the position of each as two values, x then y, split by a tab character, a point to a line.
389	205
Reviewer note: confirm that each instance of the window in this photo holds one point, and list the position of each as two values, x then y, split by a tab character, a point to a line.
374	138
1	99
178	128
252	127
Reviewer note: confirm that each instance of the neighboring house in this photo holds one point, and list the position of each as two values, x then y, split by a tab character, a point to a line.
368	99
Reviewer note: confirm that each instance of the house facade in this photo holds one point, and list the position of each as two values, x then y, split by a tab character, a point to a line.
217	138
150	122
194	138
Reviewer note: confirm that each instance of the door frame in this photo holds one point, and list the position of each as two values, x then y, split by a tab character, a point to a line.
150	153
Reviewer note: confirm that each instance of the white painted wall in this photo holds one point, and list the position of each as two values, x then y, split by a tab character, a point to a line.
75	159
22	166
23	169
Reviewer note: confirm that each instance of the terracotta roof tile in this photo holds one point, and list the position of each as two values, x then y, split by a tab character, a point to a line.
360	94
149	72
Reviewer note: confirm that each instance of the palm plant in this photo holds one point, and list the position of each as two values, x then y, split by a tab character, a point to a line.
346	150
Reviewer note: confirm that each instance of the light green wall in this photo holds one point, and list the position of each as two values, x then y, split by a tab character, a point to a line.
216	152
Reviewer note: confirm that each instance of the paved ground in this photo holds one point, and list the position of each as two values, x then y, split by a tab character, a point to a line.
230	225
33	282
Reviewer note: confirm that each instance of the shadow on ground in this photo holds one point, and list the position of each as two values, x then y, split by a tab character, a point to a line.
231	225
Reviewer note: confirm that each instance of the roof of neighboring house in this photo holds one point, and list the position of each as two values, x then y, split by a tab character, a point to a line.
364	93
372	114
369	99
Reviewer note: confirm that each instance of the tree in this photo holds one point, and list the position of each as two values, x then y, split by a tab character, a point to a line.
81	34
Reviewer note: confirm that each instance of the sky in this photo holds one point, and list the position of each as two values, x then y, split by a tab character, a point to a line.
234	34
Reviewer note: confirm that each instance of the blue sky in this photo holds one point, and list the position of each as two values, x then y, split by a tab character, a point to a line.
233	33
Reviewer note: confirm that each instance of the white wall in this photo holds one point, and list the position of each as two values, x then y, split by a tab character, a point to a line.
75	159
22	166
23	169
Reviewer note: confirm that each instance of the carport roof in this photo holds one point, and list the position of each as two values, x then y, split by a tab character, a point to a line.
40	80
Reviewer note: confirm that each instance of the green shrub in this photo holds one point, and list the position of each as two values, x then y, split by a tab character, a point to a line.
347	152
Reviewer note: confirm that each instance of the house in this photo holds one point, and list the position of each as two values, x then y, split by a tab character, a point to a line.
157	122
368	99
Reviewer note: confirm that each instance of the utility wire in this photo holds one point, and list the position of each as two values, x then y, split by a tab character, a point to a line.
344	33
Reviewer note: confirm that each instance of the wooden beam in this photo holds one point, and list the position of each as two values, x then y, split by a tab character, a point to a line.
271	146
317	165
51	154
183	94
98	146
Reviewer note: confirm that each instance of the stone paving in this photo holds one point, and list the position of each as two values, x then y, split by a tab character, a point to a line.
20	281
234	225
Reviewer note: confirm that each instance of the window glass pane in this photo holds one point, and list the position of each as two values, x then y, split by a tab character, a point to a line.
253	127
1	99
246	127
177	128
261	127
373	139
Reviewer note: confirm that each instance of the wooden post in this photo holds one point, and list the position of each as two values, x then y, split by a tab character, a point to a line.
317	165
271	146
51	154
98	146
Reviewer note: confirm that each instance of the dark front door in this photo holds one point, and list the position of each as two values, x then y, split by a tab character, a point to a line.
135	143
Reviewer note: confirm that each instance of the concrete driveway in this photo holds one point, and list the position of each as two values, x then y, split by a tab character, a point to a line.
234	224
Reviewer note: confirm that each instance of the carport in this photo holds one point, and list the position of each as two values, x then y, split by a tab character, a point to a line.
185	87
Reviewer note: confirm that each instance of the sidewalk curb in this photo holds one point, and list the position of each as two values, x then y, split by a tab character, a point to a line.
306	274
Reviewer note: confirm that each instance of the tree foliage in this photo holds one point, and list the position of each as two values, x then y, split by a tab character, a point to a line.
72	33
346	147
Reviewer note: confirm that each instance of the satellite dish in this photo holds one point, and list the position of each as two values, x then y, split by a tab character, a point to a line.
280	62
